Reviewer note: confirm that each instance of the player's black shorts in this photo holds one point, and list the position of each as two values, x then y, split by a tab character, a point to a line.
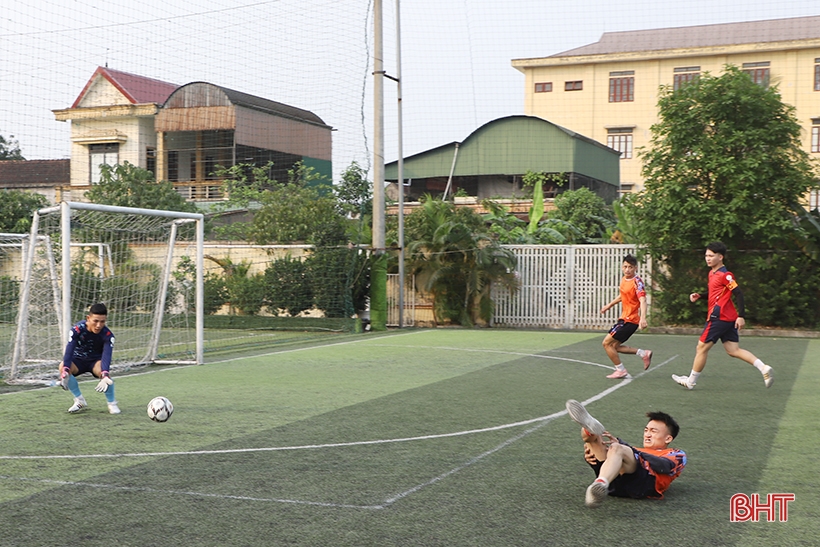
621	331
637	485
724	331
84	365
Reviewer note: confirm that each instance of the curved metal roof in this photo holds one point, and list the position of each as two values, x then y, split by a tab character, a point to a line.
204	94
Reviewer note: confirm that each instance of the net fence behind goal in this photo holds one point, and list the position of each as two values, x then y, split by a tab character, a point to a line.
119	256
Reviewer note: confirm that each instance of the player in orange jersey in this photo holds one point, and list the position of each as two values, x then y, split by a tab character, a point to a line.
625	471
632	296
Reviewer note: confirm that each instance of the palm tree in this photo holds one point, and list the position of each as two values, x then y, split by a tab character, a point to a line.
456	261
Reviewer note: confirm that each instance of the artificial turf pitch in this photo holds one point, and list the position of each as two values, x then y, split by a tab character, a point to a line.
422	437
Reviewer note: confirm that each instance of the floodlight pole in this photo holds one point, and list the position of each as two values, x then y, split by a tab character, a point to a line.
378	270
400	186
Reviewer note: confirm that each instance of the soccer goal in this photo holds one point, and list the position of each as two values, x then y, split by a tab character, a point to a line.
145	265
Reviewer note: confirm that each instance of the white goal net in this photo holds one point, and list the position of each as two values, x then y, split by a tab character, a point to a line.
144	265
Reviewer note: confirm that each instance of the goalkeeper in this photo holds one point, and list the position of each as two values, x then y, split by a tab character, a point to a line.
89	348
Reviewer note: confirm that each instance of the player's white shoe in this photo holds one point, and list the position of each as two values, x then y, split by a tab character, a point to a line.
79	404
580	415
683	380
596	493
113	408
768	376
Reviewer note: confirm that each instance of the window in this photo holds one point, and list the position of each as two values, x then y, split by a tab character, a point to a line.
684	75
815	135
814	199
577	85
621	86
543	87
620	139
817	74
151	160
173	165
101	154
758	72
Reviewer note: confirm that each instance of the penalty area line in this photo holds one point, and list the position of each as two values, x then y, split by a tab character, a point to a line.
621	384
544	421
540	422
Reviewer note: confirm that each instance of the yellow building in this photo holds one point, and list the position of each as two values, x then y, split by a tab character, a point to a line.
609	90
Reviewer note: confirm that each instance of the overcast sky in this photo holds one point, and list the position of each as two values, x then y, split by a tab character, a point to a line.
317	55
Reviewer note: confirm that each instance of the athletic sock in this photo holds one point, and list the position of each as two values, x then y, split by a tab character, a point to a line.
641	352
759	365
693	377
109	394
73	386
602	480
620	366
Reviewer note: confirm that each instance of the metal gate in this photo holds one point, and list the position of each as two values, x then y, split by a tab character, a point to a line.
409	318
564	286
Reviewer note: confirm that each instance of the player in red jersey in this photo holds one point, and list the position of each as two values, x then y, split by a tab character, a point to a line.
723	320
632	296
623	470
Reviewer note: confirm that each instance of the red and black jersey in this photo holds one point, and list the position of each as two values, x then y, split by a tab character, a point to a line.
721	285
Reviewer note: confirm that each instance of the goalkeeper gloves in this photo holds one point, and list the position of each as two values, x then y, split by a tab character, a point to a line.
102	387
65	372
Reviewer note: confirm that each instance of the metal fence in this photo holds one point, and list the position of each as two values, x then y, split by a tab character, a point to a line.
410	297
565	286
562	286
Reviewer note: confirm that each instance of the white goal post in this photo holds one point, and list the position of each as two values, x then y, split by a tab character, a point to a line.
127	258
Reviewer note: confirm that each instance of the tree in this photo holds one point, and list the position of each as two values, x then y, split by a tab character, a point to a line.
284	212
724	163
355	192
457	261
17	208
10	149
586	212
126	185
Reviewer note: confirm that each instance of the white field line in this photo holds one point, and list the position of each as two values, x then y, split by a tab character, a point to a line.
521	354
544	420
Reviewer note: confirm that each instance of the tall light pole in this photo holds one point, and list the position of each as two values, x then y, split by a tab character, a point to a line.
378	270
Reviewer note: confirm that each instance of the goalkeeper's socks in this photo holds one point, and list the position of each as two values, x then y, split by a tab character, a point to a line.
109	394
73	386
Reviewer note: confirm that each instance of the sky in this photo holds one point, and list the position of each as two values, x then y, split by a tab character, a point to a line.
456	56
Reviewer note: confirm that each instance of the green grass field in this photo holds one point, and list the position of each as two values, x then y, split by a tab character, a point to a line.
424	437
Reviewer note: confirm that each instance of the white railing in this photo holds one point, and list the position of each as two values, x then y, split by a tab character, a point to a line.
393	301
564	286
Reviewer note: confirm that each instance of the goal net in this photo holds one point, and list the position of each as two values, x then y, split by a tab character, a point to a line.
144	265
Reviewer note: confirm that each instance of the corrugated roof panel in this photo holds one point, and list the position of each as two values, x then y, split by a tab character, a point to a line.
772	30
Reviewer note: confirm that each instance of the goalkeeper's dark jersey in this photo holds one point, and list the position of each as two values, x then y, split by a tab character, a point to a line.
85	346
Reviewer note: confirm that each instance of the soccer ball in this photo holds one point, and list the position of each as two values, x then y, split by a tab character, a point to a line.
160	409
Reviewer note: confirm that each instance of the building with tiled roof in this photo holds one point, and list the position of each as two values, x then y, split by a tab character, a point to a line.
183	133
608	90
112	121
45	177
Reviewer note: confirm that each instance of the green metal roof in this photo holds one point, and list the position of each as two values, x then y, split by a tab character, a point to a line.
514	145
